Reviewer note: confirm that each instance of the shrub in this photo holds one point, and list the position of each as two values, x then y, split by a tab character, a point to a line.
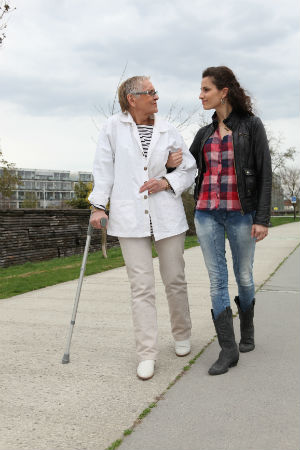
189	207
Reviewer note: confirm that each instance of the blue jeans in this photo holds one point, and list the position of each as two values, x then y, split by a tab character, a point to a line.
211	227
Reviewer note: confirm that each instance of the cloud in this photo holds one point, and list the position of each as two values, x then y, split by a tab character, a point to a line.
67	56
62	58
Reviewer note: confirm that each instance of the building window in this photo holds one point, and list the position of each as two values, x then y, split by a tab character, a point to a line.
27	185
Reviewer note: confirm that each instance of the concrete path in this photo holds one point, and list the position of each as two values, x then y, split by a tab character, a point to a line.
88	403
255	406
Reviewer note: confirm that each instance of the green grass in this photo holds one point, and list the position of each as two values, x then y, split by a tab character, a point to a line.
19	279
30	276
275	221
27	277
115	444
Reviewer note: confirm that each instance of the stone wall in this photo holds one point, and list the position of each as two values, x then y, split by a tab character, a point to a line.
28	235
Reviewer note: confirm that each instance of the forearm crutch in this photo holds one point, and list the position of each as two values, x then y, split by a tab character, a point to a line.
66	357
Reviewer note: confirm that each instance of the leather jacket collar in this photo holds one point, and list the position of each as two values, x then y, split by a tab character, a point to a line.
231	121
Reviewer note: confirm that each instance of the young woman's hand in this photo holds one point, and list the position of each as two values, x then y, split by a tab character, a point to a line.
174	159
259	232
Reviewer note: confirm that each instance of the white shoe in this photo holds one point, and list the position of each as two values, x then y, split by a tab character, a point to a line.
145	369
182	348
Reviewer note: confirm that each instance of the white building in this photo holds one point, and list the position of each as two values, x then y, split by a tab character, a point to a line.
51	188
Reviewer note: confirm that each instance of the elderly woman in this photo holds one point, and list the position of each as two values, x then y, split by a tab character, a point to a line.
130	172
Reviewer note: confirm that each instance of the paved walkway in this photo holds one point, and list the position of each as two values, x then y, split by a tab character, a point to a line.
255	406
88	403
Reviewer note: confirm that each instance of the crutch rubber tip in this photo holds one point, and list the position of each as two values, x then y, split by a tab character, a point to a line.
66	358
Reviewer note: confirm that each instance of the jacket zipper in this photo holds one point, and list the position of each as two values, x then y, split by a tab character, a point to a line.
237	185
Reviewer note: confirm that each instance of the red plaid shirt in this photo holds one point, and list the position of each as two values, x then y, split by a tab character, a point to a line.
219	189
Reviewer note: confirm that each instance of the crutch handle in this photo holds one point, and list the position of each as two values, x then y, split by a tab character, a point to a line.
103	222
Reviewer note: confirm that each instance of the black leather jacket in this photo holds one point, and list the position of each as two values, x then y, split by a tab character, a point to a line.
251	159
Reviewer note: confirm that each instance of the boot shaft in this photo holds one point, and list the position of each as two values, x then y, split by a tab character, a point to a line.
246	326
246	317
229	354
224	328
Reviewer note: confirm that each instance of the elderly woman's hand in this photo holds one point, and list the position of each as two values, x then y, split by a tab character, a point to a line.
259	232
174	159
153	185
95	218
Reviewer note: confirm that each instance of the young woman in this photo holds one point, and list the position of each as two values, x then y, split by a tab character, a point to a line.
233	195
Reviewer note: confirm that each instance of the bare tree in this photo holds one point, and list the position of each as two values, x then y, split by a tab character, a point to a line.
176	115
279	157
5	9
290	180
8	180
182	119
111	108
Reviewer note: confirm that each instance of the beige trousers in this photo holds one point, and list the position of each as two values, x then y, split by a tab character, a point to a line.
137	253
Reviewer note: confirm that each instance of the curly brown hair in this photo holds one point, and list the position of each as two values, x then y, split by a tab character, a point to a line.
223	77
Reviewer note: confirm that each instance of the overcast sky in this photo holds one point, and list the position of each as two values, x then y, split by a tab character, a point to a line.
62	60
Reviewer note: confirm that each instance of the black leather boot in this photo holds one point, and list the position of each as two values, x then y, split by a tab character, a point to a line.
229	355
246	327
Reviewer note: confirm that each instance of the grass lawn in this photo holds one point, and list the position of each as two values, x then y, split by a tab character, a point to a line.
30	276
275	221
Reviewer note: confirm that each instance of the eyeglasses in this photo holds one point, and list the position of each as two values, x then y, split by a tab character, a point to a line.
152	93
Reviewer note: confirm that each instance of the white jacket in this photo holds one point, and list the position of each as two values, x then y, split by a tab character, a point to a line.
120	170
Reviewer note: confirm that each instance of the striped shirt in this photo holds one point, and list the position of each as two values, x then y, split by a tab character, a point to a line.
219	187
145	132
